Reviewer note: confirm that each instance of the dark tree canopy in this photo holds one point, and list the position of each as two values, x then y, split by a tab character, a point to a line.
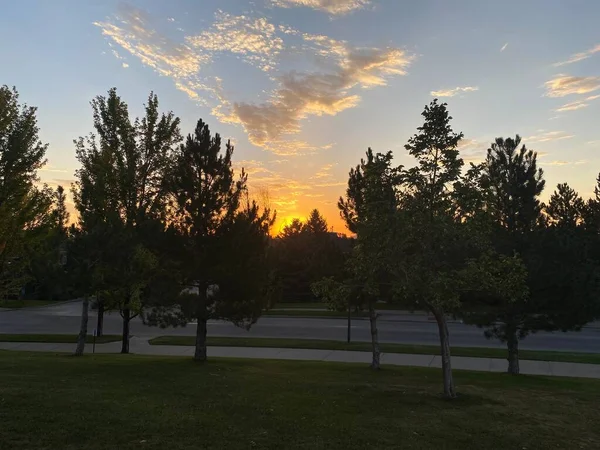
566	207
24	208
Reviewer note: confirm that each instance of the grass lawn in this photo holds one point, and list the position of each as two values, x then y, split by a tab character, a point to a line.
13	304
317	305
57	338
301	313
139	402
590	358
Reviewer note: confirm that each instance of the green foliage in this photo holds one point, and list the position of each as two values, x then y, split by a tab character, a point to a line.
24	208
222	247
121	193
512	184
305	253
565	208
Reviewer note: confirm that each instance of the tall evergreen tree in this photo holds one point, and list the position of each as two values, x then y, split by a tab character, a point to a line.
566	207
224	264
561	276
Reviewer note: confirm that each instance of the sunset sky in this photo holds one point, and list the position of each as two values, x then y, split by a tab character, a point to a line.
303	87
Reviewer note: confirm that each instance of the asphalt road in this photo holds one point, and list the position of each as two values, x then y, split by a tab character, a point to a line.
393	327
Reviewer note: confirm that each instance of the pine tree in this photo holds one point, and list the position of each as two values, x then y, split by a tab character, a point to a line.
223	252
566	207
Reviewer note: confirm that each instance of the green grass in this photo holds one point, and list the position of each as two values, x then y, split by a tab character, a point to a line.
14	304
138	402
57	338
317	305
478	352
321	313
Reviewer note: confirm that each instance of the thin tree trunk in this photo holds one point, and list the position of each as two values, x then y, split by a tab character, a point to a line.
83	327
374	338
100	322
200	353
125	342
440	318
513	352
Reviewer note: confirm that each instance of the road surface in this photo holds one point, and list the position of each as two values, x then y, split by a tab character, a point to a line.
393	327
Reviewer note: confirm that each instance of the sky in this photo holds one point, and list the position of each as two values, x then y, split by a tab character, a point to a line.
304	87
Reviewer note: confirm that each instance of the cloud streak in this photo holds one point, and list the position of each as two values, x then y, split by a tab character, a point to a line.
563	85
329	6
576	57
504	47
578	104
453	92
549	136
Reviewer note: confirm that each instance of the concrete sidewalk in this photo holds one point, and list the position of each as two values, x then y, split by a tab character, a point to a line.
142	347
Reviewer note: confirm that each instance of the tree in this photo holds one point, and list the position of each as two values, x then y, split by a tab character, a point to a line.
448	245
306	252
591	211
224	265
24	208
436	237
561	275
316	223
566	207
122	187
294	228
370	211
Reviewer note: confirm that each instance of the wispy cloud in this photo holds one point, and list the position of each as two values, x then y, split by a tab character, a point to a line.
563	85
562	163
253	39
579	104
134	32
301	95
549	136
453	92
324	172
330	6
332	86
125	65
579	56
504	47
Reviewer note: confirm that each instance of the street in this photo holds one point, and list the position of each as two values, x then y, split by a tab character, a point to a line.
393	327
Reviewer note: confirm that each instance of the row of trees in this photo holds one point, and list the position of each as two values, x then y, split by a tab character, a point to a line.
474	243
166	230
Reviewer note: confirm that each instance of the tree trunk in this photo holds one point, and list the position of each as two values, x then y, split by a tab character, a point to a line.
440	318
513	352
374	338
201	329
100	322
126	319
83	328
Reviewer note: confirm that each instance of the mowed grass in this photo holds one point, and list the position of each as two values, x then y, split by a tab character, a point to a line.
57	338
311	313
476	352
15	304
317	305
132	402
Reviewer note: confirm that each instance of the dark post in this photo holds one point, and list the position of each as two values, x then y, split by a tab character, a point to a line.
349	321
94	342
